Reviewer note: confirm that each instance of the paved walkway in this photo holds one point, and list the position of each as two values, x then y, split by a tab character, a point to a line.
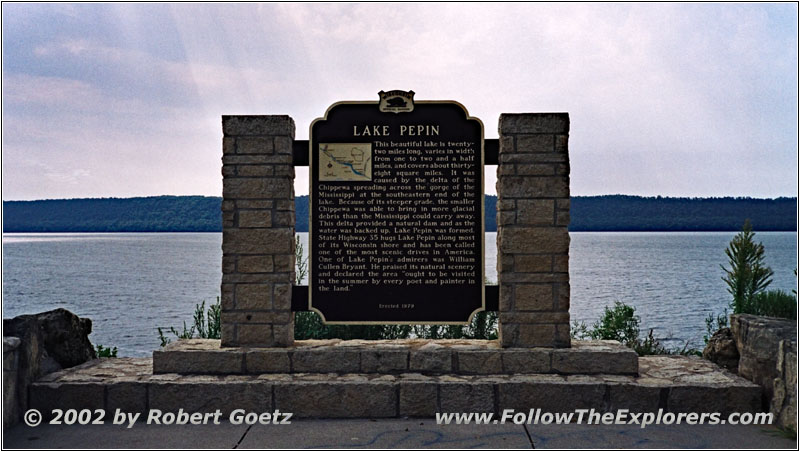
393	433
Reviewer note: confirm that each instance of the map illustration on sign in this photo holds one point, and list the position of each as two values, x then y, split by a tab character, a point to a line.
345	162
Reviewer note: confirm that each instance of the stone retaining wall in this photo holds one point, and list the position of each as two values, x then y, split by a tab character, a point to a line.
430	357
674	383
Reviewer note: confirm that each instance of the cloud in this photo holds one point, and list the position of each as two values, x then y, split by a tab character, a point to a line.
669	99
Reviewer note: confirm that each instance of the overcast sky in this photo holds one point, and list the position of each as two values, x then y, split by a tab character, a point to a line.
665	99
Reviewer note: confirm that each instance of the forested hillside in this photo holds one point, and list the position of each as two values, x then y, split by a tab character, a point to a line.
589	213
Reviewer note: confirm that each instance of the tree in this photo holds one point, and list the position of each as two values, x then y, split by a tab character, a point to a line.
748	275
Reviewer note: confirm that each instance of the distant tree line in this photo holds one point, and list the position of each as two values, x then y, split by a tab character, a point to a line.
588	213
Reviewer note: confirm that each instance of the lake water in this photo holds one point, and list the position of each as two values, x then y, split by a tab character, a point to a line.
129	284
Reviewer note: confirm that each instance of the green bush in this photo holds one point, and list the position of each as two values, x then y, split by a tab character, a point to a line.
308	325
747	275
773	303
106	352
206	324
619	323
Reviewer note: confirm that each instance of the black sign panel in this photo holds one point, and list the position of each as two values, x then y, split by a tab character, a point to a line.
396	212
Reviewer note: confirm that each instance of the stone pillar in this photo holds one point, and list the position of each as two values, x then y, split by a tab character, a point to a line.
532	237
257	231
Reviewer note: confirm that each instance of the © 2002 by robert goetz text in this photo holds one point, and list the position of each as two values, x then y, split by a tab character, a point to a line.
158	417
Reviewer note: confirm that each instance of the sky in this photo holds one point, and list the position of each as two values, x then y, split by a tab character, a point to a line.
120	100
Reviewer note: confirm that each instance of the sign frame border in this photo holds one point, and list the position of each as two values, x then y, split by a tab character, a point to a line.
482	218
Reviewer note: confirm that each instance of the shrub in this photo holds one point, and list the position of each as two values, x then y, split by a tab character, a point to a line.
106	352
619	323
773	303
206	324
747	275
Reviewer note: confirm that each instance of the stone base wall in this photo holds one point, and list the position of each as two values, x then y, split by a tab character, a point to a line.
673	383
532	238
429	357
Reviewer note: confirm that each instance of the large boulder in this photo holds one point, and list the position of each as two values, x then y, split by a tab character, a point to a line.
56	339
784	399
48	341
758	341
721	349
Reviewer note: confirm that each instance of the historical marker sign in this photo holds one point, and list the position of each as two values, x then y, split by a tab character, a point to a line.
396	212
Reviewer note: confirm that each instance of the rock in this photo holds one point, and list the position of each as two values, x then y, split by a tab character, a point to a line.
784	399
721	349
758	339
56	339
48	342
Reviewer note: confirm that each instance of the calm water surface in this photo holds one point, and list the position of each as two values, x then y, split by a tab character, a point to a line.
130	284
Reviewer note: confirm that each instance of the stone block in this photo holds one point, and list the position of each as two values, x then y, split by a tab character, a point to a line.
535	169
128	396
536	335
257	241
534	240
255	264
283	145
561	263
634	397
530	187
255	187
254	145
255	219
537	317
283	334
253	296
382	360
253	334
466	397
46	397
515	123
219	361
253	203
533	263
596	358
550	393
533	297
267	361
284	262
228	146
526	361
282	297
312	360
201	394
418	399
506	144
722	398
431	360
536	211
255	170
257	159
337	400
480	362
258	125
536	143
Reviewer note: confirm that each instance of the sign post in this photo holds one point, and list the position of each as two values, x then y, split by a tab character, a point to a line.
396	212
